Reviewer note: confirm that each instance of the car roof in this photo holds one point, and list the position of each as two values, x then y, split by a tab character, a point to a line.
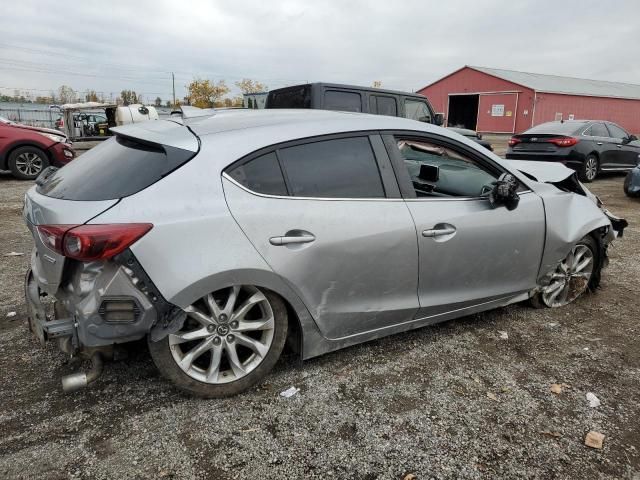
300	123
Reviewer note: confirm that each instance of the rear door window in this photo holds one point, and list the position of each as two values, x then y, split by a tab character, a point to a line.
338	168
116	168
262	175
599	130
383	105
417	110
343	101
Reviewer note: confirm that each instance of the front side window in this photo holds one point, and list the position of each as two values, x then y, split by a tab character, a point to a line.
342	101
437	171
616	131
262	175
340	168
417	110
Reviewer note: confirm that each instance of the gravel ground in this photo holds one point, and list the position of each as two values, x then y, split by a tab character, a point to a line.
451	401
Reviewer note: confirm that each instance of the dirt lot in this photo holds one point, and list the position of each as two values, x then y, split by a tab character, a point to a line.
451	401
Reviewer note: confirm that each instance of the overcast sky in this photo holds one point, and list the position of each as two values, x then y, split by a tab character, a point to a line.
111	45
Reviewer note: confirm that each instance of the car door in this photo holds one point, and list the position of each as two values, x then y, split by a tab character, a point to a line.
626	155
334	227
600	141
470	254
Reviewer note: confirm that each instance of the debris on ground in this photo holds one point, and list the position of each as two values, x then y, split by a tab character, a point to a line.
594	439
11	314
593	400
556	388
409	476
492	396
14	254
504	335
289	392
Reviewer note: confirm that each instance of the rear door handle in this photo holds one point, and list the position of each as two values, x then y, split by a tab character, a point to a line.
291	239
619	146
439	232
598	143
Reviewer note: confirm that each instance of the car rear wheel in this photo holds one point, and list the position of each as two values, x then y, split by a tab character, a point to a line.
572	277
589	170
230	340
26	163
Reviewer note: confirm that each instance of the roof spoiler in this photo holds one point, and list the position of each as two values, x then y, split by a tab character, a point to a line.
187	112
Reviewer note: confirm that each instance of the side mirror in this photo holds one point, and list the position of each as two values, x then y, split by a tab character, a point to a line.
438	119
631	138
504	192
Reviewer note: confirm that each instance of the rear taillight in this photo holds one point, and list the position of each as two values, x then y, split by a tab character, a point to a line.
514	141
564	141
91	242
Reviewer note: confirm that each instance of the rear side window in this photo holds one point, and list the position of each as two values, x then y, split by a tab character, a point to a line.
343	101
262	175
116	168
340	168
294	97
383	105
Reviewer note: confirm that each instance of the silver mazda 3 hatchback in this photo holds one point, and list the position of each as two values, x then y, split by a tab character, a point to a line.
220	238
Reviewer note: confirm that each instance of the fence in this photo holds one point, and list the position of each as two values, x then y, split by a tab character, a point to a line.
35	118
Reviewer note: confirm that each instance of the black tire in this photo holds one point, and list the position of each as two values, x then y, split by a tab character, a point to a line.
588	240
26	163
589	169
166	364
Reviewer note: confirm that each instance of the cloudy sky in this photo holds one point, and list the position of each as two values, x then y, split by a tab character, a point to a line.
111	45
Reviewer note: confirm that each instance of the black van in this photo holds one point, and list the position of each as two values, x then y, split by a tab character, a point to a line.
349	98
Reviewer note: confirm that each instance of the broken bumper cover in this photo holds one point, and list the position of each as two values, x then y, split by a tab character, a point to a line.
617	223
99	304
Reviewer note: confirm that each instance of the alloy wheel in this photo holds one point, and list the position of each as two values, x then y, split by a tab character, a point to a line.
571	278
226	335
29	163
591	168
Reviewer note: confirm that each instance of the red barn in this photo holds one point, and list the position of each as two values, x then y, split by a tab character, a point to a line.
490	100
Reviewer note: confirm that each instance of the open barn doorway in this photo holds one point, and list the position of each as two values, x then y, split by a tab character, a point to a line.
463	111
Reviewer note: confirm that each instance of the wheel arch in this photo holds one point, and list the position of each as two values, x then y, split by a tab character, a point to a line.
7	154
302	328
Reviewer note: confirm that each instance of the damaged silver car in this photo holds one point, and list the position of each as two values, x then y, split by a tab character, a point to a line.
222	238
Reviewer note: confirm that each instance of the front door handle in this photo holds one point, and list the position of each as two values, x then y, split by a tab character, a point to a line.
291	239
439	232
599	143
619	146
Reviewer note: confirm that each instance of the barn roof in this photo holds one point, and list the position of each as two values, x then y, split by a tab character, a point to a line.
566	85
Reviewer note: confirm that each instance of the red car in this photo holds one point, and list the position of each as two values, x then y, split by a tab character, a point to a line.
27	151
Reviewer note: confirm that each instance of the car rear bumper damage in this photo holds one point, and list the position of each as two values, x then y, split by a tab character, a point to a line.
98	305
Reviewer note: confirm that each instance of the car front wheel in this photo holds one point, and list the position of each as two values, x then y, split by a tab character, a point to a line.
230	340
572	277
26	163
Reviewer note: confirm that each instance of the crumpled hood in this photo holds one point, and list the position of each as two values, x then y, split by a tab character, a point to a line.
548	172
39	129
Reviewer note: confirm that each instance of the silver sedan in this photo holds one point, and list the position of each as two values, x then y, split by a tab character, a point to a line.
221	238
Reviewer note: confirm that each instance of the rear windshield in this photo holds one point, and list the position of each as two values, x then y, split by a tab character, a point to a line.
557	128
293	97
116	168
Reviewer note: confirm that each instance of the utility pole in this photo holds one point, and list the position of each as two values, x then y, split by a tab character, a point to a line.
173	83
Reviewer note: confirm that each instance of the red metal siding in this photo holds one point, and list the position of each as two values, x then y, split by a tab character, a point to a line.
504	123
467	80
625	113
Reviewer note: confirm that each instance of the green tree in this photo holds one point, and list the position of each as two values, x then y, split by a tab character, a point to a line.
158	102
129	97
